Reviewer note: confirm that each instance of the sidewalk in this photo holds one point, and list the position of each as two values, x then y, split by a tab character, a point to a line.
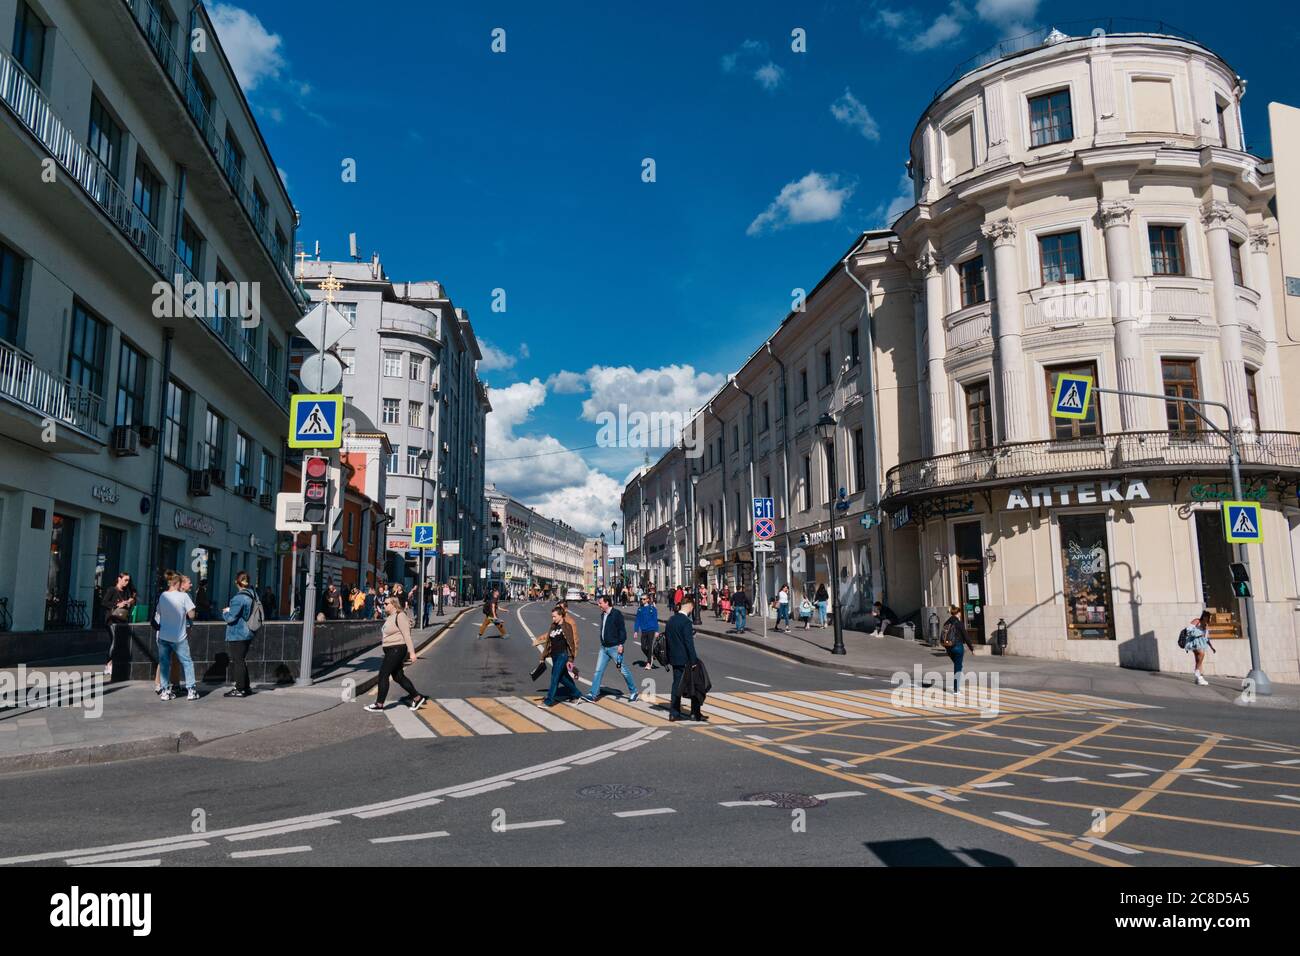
133	723
883	656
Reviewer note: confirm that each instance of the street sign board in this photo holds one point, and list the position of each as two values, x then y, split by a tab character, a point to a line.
764	508
764	546
288	512
320	372
764	528
316	421
424	535
616	551
398	543
1241	524
451	546
1073	393
323	326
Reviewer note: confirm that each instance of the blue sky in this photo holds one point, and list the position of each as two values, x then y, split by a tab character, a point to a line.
522	171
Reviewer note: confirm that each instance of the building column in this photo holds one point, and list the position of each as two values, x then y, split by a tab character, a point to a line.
1216	215
941	423
1270	379
1015	415
1124	299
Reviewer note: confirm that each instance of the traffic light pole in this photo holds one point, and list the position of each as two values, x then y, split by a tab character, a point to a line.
308	618
1257	679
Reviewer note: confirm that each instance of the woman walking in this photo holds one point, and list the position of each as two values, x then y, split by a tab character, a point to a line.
954	639
562	645
822	600
398	652
238	635
1196	638
783	607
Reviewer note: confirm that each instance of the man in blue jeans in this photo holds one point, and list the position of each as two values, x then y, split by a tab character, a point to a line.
613	634
740	604
175	611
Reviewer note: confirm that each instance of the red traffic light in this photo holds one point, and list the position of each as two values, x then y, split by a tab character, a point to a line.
316	466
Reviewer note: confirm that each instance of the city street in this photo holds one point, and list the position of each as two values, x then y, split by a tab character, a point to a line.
798	765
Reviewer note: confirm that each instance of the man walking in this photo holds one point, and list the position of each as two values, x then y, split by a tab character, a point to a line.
490	615
647	628
740	604
613	634
117	604
680	635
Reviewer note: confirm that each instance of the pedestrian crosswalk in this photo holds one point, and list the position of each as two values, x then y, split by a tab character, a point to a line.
490	716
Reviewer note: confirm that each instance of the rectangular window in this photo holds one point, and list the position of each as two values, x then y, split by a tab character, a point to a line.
1085	575
855	355
11	288
1234	252
199	99
1221	113
392	411
1252	401
412	460
243	448
259	207
1166	244
1050	120
806	497
1180	381
415	414
348	310
1061	257
979	416
214	441
266	477
828	375
803	385
416	367
247	343
1063	429
393	464
859	461
190	247
392	364
280	246
176	423
87	350
105	139
349	357
274	371
131	367
972	282
412	515
29	41
147	192
233	159
766	416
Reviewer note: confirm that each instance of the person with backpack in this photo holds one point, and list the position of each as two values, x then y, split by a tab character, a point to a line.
490	614
1195	638
954	639
244	617
647	626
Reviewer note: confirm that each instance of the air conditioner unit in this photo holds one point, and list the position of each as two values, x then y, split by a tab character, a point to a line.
148	436
126	441
267	501
218	476
200	483
247	491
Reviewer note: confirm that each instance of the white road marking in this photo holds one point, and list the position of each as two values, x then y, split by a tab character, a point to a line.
1287	796
542	773
1241	766
644	813
1190	770
633	745
1138	766
1131	773
837	763
819	708
277	831
743	681
610	716
991	784
131	854
385	811
1080	753
941	723
1286	763
1028	821
761	707
532	825
486	788
407	725
1112	846
1065	780
981	733
747	803
795	750
272	851
153	862
1217	783
936	791
766	740
887	778
663	733
475	720
1028	743
594	757
538	715
845	674
410	836
839	794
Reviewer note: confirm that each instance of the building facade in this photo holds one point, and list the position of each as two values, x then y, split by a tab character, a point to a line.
532	549
409	366
146	300
1083	205
595	564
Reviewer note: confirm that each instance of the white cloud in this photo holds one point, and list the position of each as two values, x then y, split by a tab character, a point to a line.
495	359
883	216
255	53
814	198
567	383
284	178
670	388
749	48
1013	17
850	111
769	76
588	507
916	34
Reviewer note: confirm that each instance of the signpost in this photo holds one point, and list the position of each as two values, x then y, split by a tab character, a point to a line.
316	421
1241	524
764	531
424	537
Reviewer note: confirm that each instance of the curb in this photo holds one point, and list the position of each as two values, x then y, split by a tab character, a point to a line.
97	753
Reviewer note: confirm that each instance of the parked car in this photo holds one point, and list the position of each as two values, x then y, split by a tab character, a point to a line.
574	594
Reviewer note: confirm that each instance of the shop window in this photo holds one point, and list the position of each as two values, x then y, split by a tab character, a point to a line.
1085	576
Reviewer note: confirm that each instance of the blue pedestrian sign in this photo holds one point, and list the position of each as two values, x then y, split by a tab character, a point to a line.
316	421
1241	524
424	535
1073	393
763	508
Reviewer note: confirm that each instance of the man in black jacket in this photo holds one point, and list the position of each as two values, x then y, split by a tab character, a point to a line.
613	635
680	636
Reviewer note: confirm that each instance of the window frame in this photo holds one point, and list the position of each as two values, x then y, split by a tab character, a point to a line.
243	451
387	357
107	127
176	423
14	266
1032	98
23	16
1188	423
396	408
87	371
1075	427
966	287
133	396
210	417
1040	238
977	396
1159	246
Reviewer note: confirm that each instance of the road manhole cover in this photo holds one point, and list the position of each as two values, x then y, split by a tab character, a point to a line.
786	800
614	791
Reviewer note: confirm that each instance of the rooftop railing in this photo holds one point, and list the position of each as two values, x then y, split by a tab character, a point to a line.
1176	452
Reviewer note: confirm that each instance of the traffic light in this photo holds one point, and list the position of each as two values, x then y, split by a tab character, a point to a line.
315	488
1240	581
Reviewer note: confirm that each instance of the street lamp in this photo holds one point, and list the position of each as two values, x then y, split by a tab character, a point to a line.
826	432
618	588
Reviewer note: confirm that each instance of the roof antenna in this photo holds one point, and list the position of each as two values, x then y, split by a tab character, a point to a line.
352	247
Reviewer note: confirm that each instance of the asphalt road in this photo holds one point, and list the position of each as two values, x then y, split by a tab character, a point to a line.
1075	782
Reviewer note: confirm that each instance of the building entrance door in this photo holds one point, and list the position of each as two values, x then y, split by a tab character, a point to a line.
1215	556
970	578
60	610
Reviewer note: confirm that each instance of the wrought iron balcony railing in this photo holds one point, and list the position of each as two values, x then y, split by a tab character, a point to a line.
47	394
1129	452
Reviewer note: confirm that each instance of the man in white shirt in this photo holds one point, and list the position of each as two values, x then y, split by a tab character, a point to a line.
175	611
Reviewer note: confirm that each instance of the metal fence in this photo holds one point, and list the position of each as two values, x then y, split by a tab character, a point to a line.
47	394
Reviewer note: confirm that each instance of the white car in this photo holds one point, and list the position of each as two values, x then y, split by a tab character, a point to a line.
574	594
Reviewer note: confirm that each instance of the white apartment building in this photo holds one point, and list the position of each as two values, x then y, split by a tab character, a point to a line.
135	435
536	550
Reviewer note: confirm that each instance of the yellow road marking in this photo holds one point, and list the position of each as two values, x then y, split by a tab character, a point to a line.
443	724
504	715
929	742
1042	755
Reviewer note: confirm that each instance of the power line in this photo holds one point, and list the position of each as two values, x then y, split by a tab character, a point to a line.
543	454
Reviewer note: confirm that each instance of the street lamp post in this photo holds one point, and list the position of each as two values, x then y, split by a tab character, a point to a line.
826	431
618	588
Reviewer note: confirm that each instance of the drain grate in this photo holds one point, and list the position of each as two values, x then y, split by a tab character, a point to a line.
786	800
614	791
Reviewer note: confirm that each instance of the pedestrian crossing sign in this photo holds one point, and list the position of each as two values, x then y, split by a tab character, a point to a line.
1073	393
1241	523
424	535
315	421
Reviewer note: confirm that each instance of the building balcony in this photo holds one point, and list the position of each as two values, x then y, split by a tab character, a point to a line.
1154	452
31	397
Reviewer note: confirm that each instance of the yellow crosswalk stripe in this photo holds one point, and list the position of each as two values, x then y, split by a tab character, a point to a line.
807	712
736	708
443	724
505	716
845	702
643	716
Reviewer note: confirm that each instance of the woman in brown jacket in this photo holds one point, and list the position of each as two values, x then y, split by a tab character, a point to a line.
561	643
398	652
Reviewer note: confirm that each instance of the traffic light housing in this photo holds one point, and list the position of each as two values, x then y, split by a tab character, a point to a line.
1240	580
315	488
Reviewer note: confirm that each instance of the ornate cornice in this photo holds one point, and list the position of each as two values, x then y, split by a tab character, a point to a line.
1115	212
1216	214
1259	239
1002	232
929	264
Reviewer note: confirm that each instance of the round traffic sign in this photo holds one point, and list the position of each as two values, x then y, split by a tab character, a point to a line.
320	373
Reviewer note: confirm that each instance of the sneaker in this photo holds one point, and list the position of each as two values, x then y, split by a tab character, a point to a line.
167	695
1200	679
418	702
108	669
634	698
374	708
588	698
236	692
193	694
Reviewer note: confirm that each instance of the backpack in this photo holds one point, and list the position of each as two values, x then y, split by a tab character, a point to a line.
946	636
805	608
256	614
659	649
